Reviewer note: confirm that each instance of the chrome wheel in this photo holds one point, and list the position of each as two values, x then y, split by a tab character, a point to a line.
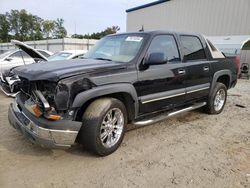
112	127
219	99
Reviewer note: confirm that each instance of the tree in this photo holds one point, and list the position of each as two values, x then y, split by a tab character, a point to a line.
25	21
13	19
4	28
60	31
99	35
36	25
48	28
22	25
77	36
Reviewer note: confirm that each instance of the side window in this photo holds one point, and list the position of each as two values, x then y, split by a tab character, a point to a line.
20	54
16	55
25	55
192	48
165	44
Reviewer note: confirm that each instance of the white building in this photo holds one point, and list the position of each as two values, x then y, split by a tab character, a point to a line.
210	17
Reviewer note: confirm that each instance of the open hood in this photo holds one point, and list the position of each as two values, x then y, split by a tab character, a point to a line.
29	50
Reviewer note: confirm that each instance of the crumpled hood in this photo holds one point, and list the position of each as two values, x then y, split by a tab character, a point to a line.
57	70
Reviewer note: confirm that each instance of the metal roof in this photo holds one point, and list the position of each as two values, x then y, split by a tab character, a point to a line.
147	5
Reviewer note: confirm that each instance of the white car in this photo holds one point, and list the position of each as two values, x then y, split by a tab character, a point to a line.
17	57
9	81
67	54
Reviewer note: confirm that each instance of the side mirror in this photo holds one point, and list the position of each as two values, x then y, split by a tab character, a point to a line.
156	59
8	59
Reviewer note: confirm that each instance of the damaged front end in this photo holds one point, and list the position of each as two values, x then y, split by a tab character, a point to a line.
42	111
9	83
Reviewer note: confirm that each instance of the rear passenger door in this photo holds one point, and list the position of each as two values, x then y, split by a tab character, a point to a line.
198	70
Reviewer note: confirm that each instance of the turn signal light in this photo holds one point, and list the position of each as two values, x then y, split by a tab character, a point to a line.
53	117
37	111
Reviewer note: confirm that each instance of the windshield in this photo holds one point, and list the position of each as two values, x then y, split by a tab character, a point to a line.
120	48
59	56
6	54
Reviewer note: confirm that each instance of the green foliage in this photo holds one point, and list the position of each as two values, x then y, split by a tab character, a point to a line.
79	36
99	35
60	31
22	25
4	28
48	28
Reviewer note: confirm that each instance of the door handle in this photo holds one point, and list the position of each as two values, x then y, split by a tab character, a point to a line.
206	68
181	71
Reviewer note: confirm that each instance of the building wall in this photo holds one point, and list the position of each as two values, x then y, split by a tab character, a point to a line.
210	17
55	45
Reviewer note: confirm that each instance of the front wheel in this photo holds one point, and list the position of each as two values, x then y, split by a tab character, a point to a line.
217	100
104	125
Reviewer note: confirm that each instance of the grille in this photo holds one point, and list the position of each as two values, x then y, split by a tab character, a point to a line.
22	118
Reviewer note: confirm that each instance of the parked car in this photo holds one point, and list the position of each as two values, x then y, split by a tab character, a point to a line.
14	58
67	54
136	78
17	57
9	81
3	51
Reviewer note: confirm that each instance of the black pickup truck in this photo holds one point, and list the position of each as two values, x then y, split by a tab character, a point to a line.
131	78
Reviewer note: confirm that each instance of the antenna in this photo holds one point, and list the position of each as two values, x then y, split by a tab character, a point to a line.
142	29
75	39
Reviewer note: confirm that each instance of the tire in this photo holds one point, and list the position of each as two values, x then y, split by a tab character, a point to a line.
217	100
104	124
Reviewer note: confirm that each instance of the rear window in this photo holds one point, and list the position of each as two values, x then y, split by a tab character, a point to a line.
192	48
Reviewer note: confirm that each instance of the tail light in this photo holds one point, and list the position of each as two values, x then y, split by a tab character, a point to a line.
237	62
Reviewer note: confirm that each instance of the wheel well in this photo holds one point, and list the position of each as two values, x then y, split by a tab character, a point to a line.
125	98
225	79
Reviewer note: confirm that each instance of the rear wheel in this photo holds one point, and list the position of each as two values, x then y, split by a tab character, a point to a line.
217	100
104	125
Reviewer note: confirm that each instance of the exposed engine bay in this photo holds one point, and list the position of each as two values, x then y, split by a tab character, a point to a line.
50	99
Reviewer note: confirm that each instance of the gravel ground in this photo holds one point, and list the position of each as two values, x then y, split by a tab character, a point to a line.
191	150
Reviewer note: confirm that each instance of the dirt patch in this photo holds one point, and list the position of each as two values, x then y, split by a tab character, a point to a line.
191	150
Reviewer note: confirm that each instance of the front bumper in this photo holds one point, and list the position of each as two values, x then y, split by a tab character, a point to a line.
31	128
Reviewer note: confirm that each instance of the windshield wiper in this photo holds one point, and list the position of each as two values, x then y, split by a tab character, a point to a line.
105	59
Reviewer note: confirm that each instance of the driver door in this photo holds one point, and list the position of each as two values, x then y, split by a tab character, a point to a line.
161	87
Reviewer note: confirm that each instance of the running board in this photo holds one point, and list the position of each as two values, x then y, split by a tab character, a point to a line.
167	115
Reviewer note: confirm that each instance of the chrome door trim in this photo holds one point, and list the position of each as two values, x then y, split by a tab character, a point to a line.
162	98
197	90
174	93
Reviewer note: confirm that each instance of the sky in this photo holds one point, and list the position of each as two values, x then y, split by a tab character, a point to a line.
81	16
